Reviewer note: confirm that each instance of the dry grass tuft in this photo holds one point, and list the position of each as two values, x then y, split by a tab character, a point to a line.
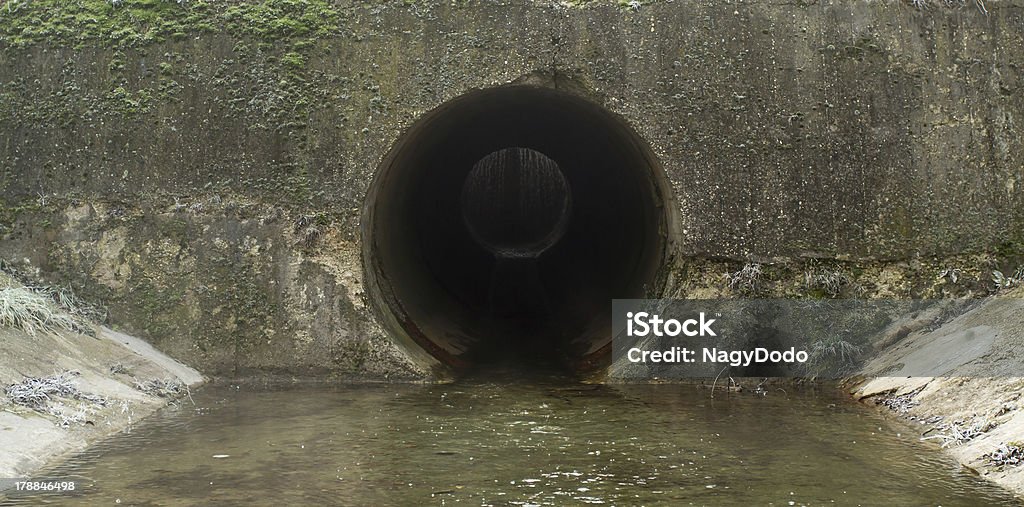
70	302
21	308
747	280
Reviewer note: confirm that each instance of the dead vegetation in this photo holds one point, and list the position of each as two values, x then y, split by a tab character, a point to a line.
309	229
29	311
925	4
37	308
747	280
1002	281
58	396
833	355
958	432
1009	454
949	435
828	282
163	388
67	300
900	404
47	395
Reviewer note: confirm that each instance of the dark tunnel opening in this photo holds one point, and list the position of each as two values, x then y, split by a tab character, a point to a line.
502	224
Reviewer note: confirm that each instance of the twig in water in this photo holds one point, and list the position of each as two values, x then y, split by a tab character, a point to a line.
716	382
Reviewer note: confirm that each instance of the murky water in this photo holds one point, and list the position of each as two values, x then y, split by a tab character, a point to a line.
538	443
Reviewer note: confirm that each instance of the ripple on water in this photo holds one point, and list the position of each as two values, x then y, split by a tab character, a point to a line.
515	444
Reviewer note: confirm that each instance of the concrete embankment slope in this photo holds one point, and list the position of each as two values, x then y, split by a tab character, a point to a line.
971	403
61	390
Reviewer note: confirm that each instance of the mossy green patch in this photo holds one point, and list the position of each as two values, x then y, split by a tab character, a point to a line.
267	83
126	23
10	211
129	103
276	20
100	22
293	60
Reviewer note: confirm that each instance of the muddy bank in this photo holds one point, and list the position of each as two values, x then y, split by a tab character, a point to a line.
61	390
971	405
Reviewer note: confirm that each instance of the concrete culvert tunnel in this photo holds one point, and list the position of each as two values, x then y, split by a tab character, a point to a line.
501	225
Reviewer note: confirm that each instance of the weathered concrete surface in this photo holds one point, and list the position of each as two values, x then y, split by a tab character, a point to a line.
166	171
976	384
30	439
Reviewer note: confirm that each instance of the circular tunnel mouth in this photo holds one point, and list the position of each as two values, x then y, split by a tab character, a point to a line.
501	225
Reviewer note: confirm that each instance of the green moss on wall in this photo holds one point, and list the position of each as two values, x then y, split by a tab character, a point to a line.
266	83
10	211
276	20
128	23
100	22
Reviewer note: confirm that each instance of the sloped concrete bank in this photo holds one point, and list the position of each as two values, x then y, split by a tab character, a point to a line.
971	405
62	390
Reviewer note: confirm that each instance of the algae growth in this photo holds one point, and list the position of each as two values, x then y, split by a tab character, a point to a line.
135	23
